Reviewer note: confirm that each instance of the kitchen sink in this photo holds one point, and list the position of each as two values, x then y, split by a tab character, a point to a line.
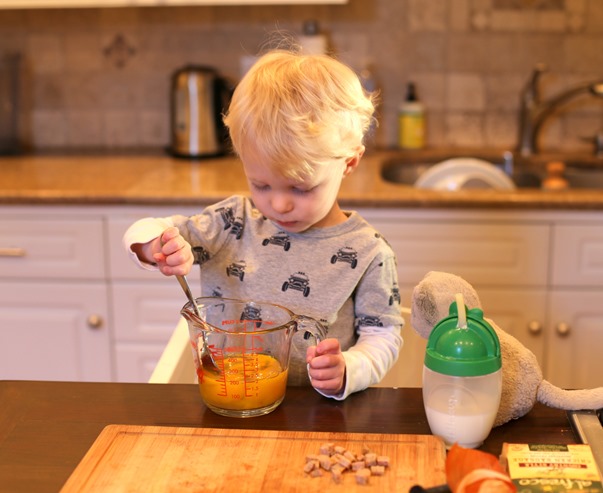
523	172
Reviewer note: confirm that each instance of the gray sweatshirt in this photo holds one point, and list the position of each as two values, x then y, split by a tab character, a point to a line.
344	276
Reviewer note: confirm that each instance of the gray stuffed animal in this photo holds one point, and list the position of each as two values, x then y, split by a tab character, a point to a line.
522	384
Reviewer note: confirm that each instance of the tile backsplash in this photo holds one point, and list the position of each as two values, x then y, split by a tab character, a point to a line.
99	78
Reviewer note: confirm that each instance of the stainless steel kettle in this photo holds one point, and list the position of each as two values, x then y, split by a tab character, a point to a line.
199	96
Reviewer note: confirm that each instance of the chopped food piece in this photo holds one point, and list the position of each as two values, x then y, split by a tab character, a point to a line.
383	460
349	456
327	448
337	460
337	474
325	462
362	476
344	461
370	459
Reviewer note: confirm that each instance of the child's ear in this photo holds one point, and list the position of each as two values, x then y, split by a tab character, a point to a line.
352	163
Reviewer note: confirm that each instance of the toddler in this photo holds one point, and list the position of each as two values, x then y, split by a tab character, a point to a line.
297	123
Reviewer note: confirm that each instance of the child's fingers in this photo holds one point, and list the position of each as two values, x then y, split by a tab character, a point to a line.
310	353
169	234
328	346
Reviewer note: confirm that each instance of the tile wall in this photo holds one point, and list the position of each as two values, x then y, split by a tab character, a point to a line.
99	78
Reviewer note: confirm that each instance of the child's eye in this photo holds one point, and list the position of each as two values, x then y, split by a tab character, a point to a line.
302	191
260	188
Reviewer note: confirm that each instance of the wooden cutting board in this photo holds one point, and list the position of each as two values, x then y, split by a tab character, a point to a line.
164	459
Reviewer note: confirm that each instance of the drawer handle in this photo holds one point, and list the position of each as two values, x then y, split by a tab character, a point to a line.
95	321
12	252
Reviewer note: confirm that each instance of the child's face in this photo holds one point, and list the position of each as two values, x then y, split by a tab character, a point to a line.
297	206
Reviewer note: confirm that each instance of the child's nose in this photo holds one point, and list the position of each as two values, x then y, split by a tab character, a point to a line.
282	203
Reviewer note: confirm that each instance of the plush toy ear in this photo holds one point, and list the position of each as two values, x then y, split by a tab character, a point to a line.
432	297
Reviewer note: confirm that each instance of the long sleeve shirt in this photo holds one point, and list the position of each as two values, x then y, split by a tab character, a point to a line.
343	276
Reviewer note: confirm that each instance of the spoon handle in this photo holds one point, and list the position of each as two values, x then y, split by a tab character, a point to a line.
185	287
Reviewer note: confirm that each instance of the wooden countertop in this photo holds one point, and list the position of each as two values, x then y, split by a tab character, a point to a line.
47	427
164	180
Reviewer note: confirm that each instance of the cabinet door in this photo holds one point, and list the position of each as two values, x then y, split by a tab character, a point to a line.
135	362
147	312
54	331
145	316
44	248
575	339
519	312
578	255
482	253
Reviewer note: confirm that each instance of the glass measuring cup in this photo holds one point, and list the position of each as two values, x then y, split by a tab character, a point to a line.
250	344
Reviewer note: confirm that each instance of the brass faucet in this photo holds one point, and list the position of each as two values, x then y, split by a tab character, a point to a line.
534	112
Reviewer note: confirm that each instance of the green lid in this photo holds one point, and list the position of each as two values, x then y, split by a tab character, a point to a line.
463	349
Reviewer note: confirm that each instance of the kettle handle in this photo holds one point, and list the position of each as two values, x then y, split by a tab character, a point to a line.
223	91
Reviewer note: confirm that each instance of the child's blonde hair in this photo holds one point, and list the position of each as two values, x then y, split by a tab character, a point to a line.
297	111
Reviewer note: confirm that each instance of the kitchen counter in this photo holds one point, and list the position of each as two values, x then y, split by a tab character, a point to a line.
164	180
47	427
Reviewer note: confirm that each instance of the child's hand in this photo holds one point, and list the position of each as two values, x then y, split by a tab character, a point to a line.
170	251
326	366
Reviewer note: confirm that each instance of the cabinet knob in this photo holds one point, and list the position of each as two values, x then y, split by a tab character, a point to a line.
563	329
95	321
534	327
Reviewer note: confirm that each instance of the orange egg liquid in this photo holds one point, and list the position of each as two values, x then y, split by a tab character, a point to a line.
249	381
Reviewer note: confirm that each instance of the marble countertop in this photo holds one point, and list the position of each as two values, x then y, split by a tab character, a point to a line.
164	180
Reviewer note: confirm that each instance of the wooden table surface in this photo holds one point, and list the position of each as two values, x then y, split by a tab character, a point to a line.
47	427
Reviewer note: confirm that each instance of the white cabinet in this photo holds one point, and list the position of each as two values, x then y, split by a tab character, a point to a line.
576	329
73	306
576	305
145	315
538	274
54	331
54	318
501	259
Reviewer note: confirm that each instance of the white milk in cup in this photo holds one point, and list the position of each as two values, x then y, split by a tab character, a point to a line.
462	377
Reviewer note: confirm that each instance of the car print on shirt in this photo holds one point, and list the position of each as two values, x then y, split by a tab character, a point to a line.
298	281
217	292
395	296
281	238
253	313
227	216
346	254
237	228
368	321
200	255
237	269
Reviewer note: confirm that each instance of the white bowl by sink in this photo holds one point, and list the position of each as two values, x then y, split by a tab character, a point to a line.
464	174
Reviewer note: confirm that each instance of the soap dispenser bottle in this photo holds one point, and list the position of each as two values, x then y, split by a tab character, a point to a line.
412	120
462	377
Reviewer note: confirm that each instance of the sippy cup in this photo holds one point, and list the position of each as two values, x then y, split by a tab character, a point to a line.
462	377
